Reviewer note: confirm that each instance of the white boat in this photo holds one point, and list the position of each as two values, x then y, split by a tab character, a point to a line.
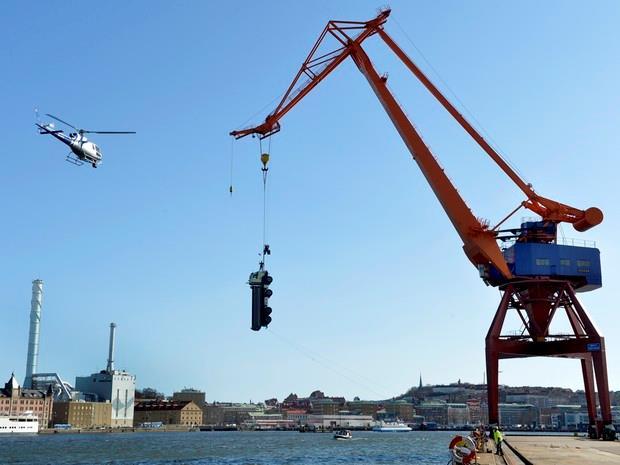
391	427
343	434
19	424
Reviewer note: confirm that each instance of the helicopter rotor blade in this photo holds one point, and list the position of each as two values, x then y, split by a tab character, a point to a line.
63	122
107	132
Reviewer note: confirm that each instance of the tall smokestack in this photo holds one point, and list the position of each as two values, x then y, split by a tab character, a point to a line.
110	367
33	338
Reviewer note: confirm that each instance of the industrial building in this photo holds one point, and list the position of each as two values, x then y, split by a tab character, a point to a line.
110	385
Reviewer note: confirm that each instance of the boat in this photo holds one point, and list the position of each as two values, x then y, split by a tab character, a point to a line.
19	424
391	427
343	434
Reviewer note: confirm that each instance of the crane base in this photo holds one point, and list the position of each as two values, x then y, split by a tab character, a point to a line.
537	302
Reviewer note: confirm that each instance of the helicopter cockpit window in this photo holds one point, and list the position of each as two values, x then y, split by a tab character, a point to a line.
97	150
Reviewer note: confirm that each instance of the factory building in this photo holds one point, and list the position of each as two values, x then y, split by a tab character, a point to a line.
15	400
110	385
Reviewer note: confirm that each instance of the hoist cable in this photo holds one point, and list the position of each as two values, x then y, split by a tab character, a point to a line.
264	169
232	157
355	378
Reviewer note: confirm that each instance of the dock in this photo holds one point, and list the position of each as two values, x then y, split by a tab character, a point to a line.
559	450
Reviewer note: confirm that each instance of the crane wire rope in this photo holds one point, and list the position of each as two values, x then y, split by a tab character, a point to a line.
326	363
232	157
264	157
498	149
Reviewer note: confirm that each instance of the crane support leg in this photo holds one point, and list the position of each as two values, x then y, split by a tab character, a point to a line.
532	300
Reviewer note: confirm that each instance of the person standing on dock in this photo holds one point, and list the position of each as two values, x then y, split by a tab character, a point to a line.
498	437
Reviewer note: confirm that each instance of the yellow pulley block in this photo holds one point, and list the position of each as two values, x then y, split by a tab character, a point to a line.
264	158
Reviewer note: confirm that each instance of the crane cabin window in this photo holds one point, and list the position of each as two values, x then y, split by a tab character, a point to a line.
543	262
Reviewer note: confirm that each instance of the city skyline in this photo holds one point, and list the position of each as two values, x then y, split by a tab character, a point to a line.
370	283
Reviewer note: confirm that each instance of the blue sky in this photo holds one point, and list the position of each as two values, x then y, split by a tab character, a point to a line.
371	286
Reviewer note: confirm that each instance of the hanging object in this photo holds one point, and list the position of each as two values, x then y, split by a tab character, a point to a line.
232	158
264	158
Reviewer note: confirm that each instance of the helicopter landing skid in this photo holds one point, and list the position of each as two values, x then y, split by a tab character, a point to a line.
74	160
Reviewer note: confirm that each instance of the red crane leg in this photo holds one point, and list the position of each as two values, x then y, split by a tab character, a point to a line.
588	382
492	357
602	385
493	385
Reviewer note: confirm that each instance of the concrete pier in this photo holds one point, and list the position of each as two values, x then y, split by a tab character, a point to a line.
564	450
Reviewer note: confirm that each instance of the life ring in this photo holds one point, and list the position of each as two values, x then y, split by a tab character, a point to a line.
463	450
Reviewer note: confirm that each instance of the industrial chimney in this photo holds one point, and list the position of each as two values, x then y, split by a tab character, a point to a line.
110	367
33	338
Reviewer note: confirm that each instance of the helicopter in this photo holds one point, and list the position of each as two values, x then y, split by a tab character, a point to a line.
82	150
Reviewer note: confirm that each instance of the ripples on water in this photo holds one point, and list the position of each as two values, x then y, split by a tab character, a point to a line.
227	448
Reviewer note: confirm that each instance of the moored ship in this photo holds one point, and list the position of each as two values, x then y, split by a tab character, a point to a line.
391	427
19	424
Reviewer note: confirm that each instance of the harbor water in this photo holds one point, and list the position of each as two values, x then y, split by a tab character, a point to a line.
228	448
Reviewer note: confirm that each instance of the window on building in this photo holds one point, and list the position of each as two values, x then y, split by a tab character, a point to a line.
564	262
583	263
543	262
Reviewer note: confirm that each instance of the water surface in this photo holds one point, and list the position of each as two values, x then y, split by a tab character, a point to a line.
227	448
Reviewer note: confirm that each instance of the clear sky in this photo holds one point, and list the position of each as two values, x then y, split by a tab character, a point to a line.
371	286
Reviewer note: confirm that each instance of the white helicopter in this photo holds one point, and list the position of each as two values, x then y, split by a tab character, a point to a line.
82	150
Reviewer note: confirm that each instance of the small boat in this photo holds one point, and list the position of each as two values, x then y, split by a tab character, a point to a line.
343	434
391	427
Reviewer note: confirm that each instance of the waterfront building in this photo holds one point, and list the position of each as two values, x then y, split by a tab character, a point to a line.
229	413
299	416
569	417
518	414
327	405
538	400
475	411
400	409
15	400
82	414
340	421
168	412
194	395
364	407
268	421
116	387
457	414
433	411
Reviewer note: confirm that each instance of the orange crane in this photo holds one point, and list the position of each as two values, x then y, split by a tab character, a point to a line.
533	285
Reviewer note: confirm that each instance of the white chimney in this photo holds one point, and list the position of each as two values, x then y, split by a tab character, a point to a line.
33	338
110	367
